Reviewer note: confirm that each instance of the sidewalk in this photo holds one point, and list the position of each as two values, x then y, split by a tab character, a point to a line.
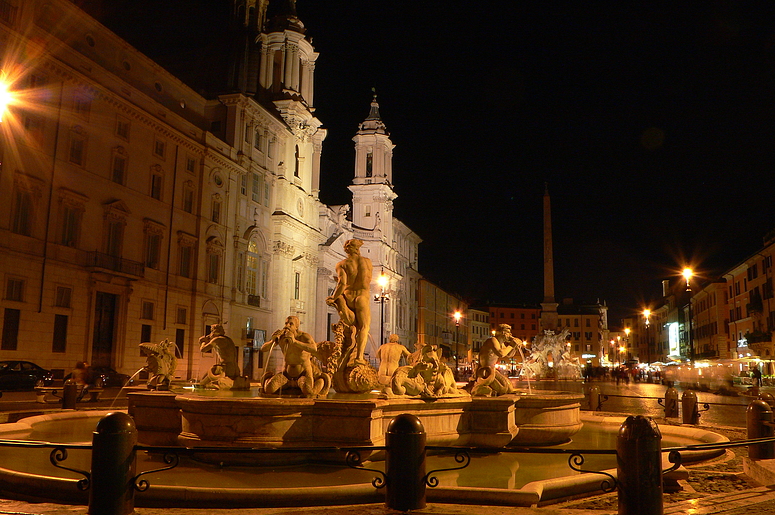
755	500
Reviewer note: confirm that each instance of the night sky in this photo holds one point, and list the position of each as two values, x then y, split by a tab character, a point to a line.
651	123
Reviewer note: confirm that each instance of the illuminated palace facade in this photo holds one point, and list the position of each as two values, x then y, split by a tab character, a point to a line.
138	210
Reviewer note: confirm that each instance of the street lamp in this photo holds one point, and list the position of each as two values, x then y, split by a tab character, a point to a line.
646	315
626	339
382	297
6	97
457	316
687	273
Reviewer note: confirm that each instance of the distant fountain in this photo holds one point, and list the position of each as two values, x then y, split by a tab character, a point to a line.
555	345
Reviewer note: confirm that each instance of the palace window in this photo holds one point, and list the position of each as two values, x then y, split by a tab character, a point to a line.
21	223
14	289
122	128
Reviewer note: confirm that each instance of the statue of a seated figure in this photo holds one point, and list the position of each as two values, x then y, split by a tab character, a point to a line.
300	371
224	375
390	355
489	381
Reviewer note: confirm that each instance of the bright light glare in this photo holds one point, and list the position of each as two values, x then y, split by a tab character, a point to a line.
687	273
627	331
382	281
458	315
5	98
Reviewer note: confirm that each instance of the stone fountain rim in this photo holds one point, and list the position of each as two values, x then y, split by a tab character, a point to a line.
164	495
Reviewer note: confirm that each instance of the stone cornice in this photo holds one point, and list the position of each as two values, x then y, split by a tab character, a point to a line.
67	74
72	199
253	110
153	227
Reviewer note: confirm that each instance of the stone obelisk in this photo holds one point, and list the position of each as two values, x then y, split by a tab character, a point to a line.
548	306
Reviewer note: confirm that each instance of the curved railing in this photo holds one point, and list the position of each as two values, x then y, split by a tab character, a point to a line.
460	459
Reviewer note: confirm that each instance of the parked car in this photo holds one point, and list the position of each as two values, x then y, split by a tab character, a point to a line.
23	375
107	377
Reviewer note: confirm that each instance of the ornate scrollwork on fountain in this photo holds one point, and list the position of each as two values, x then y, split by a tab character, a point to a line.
347	376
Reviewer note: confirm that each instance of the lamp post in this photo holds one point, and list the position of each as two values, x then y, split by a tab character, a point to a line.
457	316
382	297
687	273
647	333
626	340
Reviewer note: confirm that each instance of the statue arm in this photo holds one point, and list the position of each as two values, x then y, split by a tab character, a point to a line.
341	283
305	342
267	346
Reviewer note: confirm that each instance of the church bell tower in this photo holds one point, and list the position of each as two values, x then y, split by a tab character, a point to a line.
372	186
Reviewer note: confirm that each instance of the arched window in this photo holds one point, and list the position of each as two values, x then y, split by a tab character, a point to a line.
252	266
256	271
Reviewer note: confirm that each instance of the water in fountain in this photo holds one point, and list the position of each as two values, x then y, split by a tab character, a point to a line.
127	384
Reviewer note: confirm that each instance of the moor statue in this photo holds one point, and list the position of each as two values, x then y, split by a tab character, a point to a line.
351	296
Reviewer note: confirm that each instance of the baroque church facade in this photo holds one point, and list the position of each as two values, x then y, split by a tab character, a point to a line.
140	210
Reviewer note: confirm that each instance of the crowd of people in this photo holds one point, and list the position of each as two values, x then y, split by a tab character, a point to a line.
621	374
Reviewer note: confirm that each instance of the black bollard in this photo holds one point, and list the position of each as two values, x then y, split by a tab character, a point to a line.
671	402
69	394
690	413
594	398
113	466
758	419
405	463
768	398
639	467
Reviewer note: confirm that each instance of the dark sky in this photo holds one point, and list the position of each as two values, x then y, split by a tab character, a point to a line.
652	123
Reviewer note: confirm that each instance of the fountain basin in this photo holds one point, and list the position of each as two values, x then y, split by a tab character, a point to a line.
191	419
498	479
547	418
